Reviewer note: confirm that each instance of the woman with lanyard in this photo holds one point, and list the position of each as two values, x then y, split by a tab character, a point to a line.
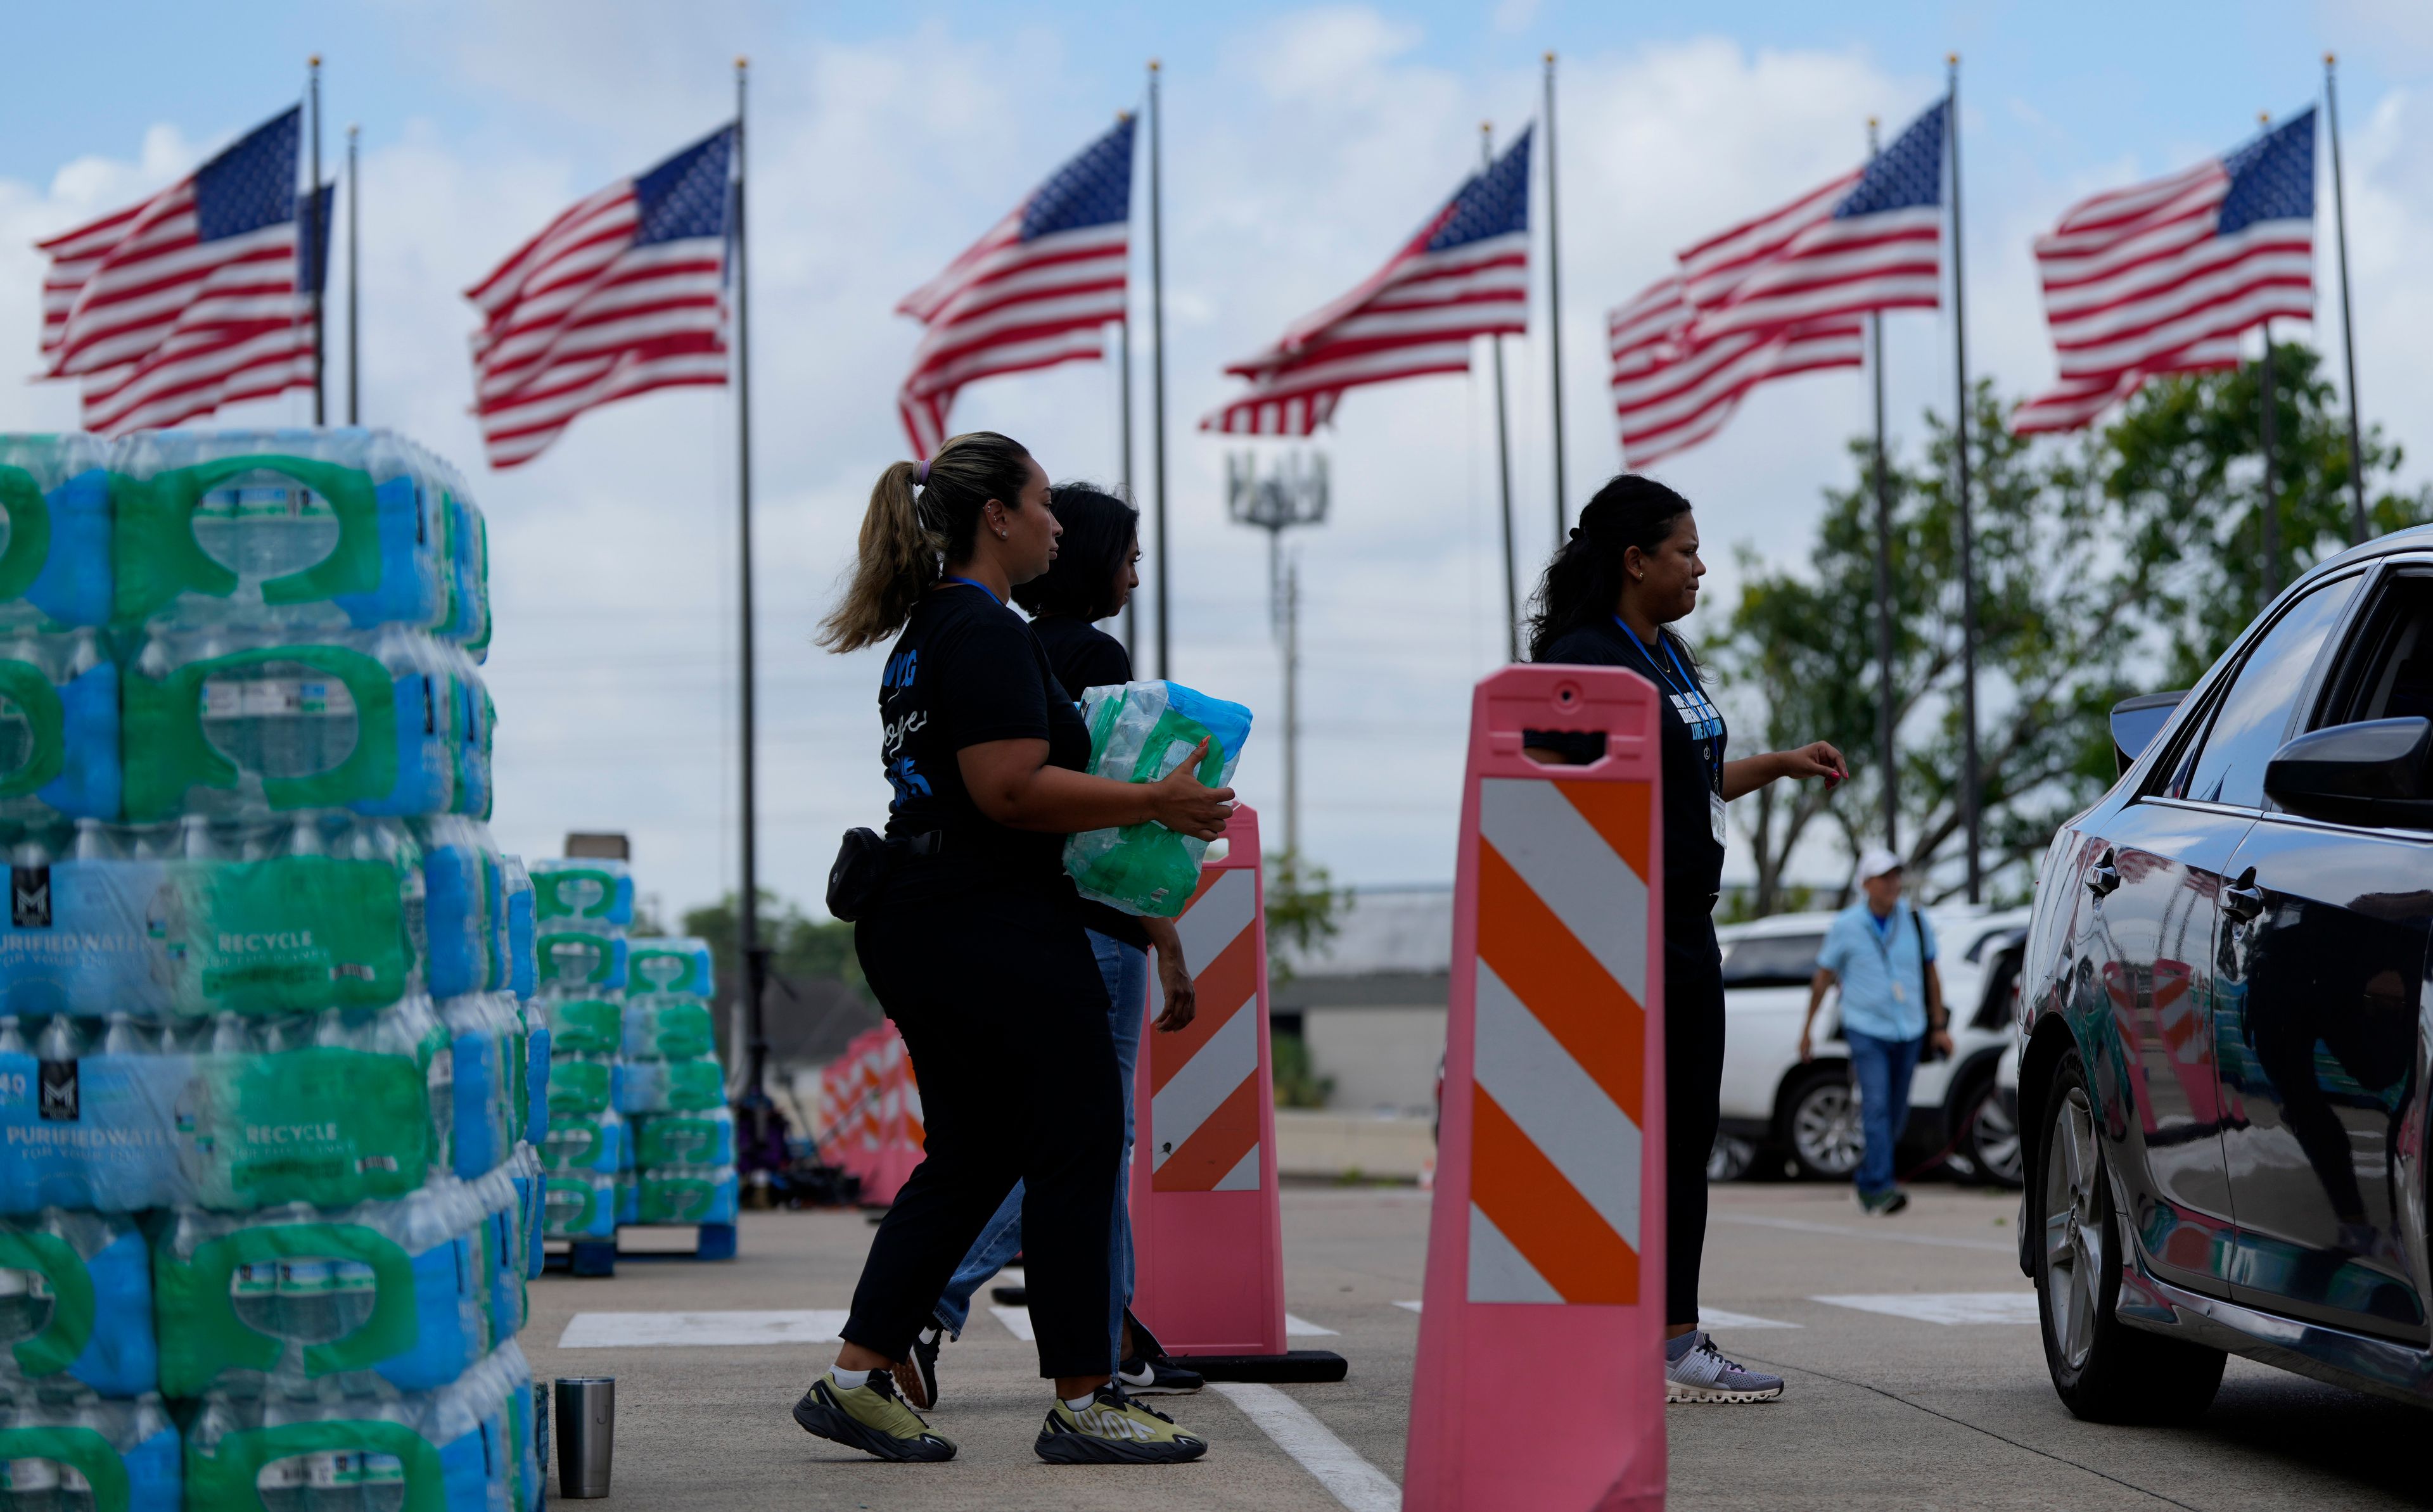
1629	570
1091	580
972	939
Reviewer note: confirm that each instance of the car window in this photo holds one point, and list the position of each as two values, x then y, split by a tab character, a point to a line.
1772	961
2254	717
2388	673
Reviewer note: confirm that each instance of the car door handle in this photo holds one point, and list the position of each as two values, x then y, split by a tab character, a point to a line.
2242	900
2103	878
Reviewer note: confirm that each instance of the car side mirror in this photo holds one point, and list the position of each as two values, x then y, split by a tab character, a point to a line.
2136	722
2376	771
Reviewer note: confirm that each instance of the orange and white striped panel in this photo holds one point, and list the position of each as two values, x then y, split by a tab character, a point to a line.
1204	1079
1560	1063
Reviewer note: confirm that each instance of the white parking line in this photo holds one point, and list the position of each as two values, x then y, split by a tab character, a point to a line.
1412	1306
1716	1317
1301	1328
1017	1321
1945	1307
1350	1480
1887	1233
612	1330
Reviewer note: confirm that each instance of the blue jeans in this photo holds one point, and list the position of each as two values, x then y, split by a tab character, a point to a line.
1883	1068
1126	971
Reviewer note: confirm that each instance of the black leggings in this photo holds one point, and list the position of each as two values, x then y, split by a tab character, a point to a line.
1004	1015
1693	1089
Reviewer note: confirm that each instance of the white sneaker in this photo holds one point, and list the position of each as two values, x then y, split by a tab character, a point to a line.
1700	1373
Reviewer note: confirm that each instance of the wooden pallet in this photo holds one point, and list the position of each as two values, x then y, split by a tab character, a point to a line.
599	1257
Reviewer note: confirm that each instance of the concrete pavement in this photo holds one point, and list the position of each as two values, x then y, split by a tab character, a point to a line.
1901	1396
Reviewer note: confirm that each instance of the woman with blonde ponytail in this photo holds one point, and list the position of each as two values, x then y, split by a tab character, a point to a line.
975	943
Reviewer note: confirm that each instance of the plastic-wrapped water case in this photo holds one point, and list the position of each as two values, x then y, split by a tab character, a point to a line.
645	1086
523	966
463	1448
487	1052
59	727
580	1205
580	1082
330	1108
664	1028
1140	732
401	1289
80	1451
583	894
55	563
686	1194
701	1138
91	1116
320	529
585	1025
76	1304
592	1142
671	967
318	909
464	906
238	722
577	962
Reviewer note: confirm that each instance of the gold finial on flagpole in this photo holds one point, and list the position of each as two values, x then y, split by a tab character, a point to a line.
2264	118
1153	65
2329	59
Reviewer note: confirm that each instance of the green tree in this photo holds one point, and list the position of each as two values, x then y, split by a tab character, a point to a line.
1303	910
800	948
2104	565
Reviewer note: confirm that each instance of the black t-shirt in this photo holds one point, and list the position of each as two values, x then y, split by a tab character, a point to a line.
967	670
1692	760
1085	657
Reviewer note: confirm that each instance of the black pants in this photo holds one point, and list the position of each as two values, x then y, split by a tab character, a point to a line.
1004	1015
1693	1090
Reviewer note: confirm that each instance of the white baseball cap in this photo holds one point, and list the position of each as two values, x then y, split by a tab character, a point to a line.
1876	862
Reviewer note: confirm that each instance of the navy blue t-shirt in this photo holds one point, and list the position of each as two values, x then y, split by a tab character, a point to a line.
967	670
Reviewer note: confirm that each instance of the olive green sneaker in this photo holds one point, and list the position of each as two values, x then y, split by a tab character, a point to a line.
1115	1430
871	1419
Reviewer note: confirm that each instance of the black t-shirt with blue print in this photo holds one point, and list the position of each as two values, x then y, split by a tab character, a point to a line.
1692	737
967	670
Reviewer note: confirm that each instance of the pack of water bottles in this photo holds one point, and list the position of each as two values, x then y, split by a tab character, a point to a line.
583	913
269	1075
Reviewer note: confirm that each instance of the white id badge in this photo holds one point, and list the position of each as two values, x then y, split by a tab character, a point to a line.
1715	814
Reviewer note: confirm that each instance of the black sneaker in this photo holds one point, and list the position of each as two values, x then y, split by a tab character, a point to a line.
871	1419
1145	1377
916	1376
1112	1430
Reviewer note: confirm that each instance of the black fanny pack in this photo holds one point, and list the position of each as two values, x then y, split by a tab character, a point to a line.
864	858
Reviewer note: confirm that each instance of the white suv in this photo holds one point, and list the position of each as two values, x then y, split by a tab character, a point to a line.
1771	1102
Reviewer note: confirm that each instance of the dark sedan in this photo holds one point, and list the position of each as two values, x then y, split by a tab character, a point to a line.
2222	1075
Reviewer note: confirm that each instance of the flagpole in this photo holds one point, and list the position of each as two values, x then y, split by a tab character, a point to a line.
747	928
1157	373
1554	301
2348	331
1504	454
314	217
354	314
1123	358
1970	774
1884	574
2269	421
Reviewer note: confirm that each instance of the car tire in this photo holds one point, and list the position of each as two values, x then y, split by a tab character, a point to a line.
1730	1159
2104	1371
1820	1124
1986	1147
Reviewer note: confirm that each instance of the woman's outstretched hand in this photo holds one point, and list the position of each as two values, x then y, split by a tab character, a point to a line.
1816	759
1182	804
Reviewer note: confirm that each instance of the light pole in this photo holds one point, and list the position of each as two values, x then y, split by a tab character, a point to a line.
1294	494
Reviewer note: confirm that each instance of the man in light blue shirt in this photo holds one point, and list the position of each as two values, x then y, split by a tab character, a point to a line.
1882	953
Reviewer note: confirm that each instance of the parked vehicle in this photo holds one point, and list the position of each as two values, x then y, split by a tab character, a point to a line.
2223	1071
1772	1104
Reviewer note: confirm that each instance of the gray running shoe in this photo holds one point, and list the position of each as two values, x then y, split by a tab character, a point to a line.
1882	1204
1700	1373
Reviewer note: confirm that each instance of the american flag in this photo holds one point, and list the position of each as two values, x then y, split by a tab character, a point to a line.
1465	274
191	299
1037	290
2163	276
1777	294
623	293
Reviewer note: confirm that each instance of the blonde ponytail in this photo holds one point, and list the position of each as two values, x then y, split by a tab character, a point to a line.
908	537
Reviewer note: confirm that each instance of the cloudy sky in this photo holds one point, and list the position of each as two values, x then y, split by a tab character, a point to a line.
1302	144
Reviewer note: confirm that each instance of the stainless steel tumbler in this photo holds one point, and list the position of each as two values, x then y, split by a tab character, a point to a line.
585	1432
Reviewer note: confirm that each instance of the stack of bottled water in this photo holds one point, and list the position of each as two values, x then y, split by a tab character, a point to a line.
266	1072
673	1090
582	911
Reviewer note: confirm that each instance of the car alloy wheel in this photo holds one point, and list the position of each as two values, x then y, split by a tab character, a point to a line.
2074	1238
1825	1131
1730	1159
1993	1143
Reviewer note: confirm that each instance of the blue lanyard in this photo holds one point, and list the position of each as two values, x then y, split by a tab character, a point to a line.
1688	687
983	587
